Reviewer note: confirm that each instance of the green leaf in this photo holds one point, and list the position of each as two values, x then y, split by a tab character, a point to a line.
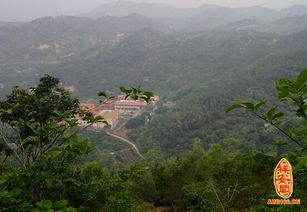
258	105
285	85
271	112
128	91
4	193
278	115
122	89
60	204
102	93
278	122
31	139
9	111
15	192
135	97
235	106
148	94
2	181
301	79
72	122
46	204
283	95
249	106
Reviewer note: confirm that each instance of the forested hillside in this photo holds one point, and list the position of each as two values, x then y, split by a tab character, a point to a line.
187	154
200	73
41	168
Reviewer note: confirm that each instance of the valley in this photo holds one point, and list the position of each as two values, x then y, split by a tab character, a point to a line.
146	107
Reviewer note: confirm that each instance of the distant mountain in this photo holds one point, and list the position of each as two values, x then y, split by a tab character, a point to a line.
205	17
155	60
28	10
242	24
151	10
122	8
53	38
199	72
287	25
136	22
285	21
155	10
218	17
294	10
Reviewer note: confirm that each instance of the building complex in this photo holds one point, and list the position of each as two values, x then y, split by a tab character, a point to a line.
111	109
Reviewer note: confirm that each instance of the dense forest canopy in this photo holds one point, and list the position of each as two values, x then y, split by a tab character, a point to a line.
50	177
187	154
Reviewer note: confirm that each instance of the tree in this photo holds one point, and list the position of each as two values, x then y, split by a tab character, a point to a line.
36	130
37	120
294	91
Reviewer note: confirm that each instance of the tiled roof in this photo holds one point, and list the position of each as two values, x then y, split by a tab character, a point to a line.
108	101
87	105
142	104
121	96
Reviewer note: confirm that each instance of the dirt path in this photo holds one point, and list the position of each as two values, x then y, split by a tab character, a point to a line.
128	142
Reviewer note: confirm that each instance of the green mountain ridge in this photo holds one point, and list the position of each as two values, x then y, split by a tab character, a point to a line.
207	69
193	151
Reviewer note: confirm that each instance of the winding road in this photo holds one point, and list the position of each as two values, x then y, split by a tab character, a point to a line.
128	142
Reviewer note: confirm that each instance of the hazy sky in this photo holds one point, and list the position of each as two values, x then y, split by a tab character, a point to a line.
19	10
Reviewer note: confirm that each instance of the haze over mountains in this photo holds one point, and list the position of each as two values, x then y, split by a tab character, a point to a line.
124	8
66	63
16	10
62	36
200	58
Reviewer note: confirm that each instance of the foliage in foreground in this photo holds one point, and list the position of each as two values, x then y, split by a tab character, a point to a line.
219	179
40	168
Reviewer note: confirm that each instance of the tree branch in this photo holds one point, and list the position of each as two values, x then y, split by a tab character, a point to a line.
280	129
15	151
217	196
